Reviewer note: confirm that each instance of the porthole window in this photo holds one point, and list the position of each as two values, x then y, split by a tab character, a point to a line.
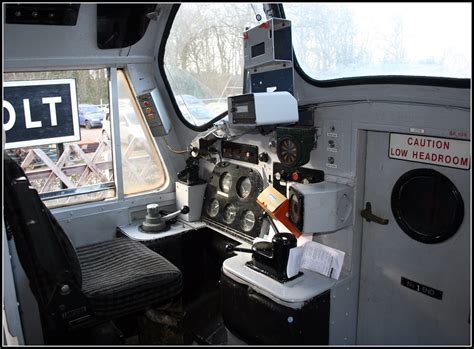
427	205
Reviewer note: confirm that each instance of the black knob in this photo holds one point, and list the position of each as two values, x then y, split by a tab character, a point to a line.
184	209
263	157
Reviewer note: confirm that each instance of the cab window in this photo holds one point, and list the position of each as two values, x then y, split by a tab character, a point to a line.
83	171
203	57
343	40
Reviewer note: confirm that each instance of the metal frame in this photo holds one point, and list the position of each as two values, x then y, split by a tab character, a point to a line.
77	191
115	123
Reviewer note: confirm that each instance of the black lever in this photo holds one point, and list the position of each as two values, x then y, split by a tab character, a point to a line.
232	248
272	223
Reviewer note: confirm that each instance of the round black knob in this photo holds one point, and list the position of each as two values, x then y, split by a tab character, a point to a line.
263	157
184	209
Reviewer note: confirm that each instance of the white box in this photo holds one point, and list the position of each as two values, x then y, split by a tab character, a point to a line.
263	108
323	207
191	196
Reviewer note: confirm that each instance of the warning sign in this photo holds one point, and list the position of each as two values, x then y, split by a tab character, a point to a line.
431	150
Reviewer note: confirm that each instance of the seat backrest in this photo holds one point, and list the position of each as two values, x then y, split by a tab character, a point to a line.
44	250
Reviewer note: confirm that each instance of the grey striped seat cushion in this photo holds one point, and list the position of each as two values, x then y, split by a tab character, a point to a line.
121	275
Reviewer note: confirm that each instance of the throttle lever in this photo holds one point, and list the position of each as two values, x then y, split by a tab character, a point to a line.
183	210
232	248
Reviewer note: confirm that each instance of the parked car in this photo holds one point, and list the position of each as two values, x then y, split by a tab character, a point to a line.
193	109
90	116
130	128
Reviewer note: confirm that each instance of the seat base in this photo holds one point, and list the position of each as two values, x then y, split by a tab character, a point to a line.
121	276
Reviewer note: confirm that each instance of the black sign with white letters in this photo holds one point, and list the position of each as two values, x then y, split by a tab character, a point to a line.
426	290
40	112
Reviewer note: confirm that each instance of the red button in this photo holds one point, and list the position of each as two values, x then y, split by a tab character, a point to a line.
146	104
295	176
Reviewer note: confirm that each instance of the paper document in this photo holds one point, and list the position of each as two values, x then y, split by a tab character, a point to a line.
322	259
294	261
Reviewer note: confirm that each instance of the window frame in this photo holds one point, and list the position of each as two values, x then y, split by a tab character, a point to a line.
278	11
86	189
117	183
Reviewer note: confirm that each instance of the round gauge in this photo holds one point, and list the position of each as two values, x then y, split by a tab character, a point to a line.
248	221
295	211
229	213
226	182
244	186
213	208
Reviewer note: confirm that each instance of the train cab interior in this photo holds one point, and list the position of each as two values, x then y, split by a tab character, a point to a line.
236	174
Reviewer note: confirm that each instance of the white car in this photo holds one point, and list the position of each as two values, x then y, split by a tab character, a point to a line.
130	128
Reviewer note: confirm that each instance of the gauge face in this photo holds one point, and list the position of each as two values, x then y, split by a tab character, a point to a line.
226	182
213	208
295	211
229	213
244	186
248	221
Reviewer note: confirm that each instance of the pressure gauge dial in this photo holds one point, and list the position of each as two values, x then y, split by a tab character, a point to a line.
248	221
213	208
226	182
244	186
229	213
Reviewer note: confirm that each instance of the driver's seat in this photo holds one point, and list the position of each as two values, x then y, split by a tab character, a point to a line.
77	288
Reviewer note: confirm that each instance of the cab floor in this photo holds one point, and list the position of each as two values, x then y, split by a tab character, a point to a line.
204	319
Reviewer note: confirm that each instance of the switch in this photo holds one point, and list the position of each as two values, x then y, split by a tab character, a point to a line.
263	157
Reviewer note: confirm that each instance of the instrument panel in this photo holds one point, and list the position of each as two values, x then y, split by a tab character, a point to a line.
230	200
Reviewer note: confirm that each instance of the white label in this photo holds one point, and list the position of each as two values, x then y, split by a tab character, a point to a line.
332	150
331	165
430	150
222	194
417	130
332	134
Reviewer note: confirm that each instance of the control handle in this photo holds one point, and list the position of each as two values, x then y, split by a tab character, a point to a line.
183	210
232	248
370	217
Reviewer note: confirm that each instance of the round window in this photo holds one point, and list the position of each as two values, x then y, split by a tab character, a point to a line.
427	205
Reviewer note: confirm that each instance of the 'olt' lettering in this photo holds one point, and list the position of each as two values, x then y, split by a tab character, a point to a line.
26	107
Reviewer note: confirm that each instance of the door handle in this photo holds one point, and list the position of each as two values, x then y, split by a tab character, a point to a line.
370	217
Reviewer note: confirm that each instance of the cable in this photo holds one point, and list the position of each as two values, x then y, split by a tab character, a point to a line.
173	150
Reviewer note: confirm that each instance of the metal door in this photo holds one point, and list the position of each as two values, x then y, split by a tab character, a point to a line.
411	291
